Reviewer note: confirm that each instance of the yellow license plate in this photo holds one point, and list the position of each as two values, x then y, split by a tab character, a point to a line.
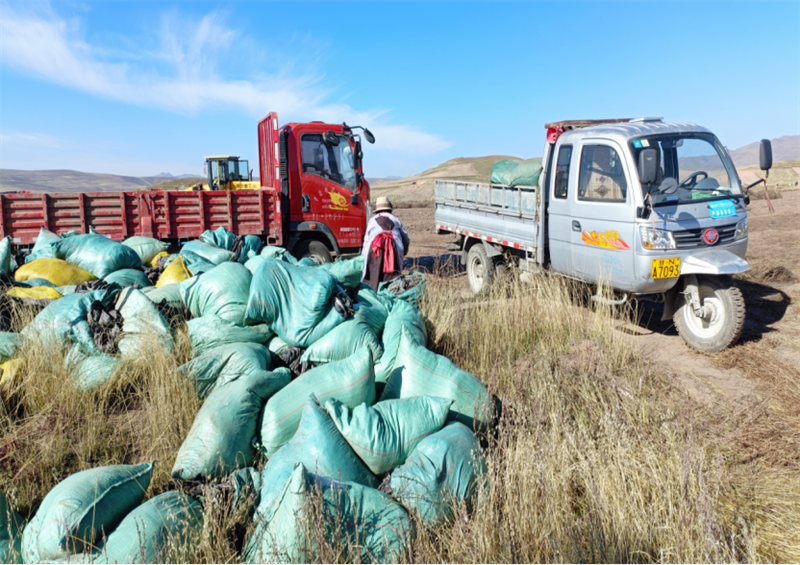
666	268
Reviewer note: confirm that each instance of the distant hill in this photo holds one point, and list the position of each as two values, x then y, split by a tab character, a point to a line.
786	148
62	180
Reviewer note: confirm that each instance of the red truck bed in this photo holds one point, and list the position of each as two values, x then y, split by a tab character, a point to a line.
160	214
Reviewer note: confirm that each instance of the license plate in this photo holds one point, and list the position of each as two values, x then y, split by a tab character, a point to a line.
666	268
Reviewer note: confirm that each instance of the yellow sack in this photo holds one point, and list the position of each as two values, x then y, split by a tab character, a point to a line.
175	272
36	292
57	271
11	374
154	262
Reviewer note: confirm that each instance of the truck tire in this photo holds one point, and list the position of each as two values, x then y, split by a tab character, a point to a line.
724	324
314	249
480	269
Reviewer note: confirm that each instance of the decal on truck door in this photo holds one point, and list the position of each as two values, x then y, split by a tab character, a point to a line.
606	240
338	201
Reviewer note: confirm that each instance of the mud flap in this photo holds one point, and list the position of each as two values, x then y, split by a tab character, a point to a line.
670	300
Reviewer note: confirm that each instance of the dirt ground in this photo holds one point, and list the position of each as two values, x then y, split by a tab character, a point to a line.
770	344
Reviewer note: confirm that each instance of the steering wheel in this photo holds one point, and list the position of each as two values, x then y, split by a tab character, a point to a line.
692	180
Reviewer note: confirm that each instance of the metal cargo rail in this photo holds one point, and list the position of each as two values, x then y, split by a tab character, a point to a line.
159	214
495	213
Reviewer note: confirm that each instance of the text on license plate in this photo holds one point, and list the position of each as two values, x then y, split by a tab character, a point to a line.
666	268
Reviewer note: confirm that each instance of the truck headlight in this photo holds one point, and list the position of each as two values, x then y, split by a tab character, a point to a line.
656	239
741	230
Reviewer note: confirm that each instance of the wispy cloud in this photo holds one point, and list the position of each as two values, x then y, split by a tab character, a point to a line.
9	138
182	73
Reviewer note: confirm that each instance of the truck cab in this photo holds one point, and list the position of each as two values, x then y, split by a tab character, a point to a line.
317	168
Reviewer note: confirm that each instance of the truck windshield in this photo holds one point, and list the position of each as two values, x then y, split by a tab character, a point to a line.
697	162
332	163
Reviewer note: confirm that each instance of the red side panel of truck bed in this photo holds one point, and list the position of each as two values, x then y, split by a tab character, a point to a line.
158	214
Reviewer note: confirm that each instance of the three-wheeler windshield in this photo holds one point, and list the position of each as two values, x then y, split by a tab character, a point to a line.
697	162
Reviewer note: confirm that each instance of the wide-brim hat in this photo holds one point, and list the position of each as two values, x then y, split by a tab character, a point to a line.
382	204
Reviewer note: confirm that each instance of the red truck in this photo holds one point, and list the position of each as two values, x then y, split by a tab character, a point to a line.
313	200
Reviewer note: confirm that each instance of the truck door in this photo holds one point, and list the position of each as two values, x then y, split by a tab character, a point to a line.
603	216
558	212
328	179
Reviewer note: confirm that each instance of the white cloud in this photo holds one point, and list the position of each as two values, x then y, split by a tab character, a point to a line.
181	74
14	138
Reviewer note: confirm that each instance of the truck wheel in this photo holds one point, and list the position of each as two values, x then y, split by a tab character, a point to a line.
479	269
314	249
723	319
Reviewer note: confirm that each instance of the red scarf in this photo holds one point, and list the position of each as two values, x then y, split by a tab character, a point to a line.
385	241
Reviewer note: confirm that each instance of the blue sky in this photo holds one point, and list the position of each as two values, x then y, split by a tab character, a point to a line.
141	88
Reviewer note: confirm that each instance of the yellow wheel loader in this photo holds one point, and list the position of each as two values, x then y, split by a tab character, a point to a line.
227	172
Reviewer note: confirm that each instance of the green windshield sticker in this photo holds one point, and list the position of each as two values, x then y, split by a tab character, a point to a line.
722	209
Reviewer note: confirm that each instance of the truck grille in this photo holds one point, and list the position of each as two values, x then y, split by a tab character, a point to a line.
694	238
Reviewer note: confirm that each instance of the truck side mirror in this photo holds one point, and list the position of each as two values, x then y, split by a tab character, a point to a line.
648	165
368	135
354	199
765	155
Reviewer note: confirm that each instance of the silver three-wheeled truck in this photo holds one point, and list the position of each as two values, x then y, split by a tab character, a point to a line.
652	208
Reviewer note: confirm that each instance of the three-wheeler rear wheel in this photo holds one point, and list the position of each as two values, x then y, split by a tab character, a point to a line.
480	269
721	321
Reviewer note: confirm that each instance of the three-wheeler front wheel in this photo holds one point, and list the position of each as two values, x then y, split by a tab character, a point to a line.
722	315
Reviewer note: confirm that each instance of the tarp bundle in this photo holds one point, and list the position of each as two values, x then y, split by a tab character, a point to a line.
515	172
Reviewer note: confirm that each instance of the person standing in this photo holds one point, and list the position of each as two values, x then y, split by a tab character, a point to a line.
385	245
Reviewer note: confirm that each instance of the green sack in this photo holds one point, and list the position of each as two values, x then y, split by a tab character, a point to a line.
210	253
253	263
221	438
442	473
10	533
142	325
273	252
403	316
372	308
96	254
195	264
220	238
146	247
515	172
54	324
38	282
319	446
347	271
383	435
278	347
223	292
246	490
82	508
145	535
353	517
128	277
221	364
408	287
7	263
419	372
66	289
43	248
171	293
351	381
250	247
296	302
210	331
8	345
89	371
341	342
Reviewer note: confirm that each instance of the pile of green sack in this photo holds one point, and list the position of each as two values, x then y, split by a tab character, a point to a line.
314	388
